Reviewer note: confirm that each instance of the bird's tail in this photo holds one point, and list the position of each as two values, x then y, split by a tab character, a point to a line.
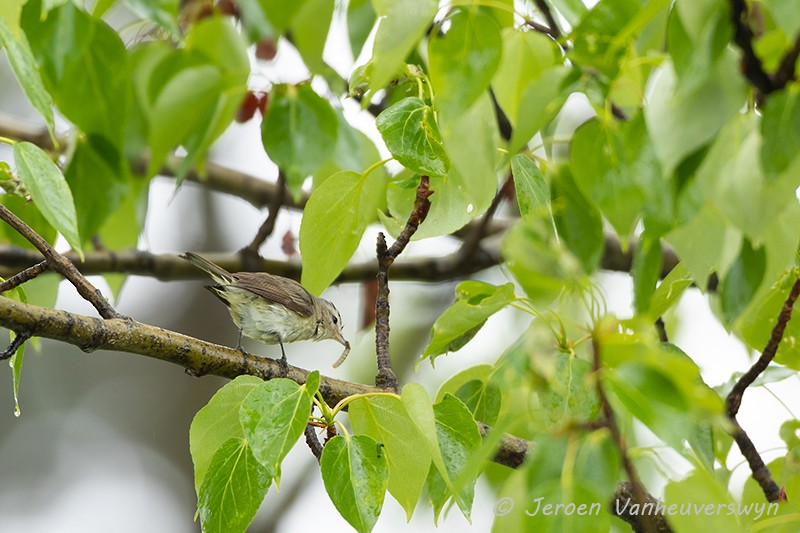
217	273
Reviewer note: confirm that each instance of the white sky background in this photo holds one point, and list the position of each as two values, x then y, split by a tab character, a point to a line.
102	444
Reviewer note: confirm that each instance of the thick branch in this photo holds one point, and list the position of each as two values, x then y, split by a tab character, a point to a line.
169	267
196	356
622	507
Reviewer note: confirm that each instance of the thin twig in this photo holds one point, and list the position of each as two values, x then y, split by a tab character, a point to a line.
60	264
313	442
744	37
637	489
250	251
26	275
760	470
473	240
386	377
662	330
555	31
786	71
18	341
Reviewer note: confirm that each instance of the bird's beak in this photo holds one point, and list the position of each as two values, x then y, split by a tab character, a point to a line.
338	337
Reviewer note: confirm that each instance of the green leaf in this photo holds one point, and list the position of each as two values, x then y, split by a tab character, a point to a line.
784	15
84	66
273	416
533	194
16	360
670	290
698	114
458	438
578	221
471	140
714	252
701	486
32	216
657	383
594	36
26	70
218	39
482	398
49	190
540	262
740	285
217	422
385	419
355	473
233	489
756	324
310	31
162	12
475	303
411	134
646	270
98	178
474	373
353	151
732	180
333	223
539	104
780	128
526	56
402	25
419	407
464	59
570	396
122	228
281	14
299	132
311	385
601	161
360	21
174	115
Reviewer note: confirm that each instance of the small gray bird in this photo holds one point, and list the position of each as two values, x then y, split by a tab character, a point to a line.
273	309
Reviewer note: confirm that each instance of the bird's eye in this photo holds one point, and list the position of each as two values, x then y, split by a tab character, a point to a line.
335	320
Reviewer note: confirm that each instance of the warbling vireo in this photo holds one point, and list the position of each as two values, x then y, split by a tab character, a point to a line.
273	309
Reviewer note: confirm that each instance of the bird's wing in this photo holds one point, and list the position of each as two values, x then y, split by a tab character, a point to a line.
283	291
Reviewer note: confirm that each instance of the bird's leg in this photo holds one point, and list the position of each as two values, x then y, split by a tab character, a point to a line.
284	364
239	342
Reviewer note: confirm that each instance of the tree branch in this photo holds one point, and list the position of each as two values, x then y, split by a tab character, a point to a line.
640	495
552	25
760	470
743	37
385	377
250	252
168	267
198	357
26	275
60	264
